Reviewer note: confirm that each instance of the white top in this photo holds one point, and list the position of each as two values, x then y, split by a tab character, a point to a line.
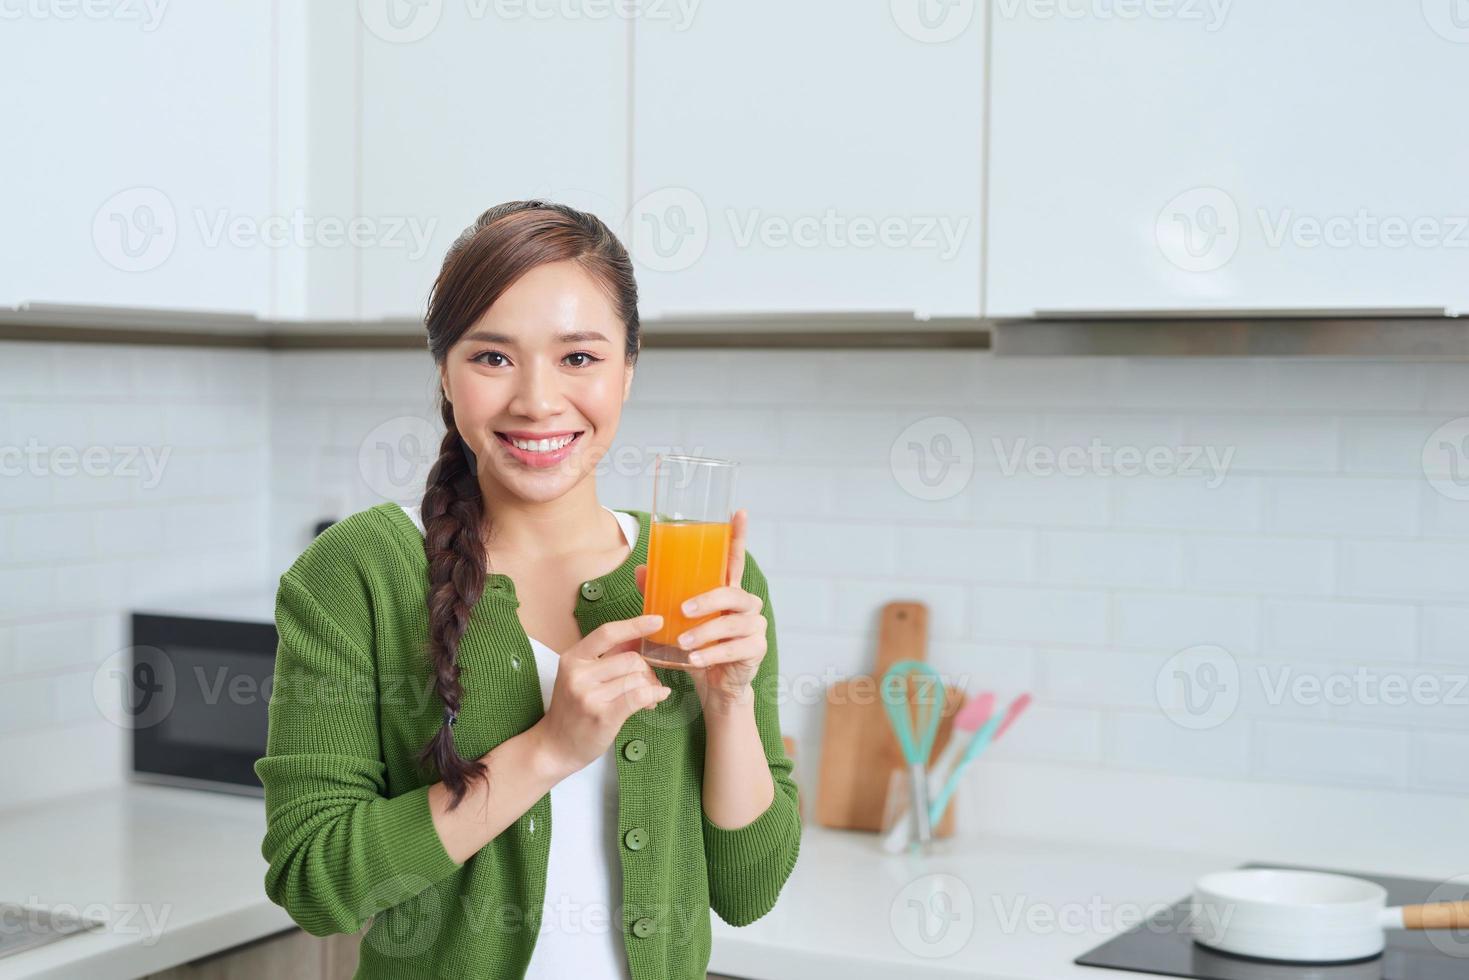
581	920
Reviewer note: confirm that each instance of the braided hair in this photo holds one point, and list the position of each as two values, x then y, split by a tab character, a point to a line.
502	244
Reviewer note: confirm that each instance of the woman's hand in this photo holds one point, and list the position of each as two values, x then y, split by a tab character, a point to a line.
600	682
732	645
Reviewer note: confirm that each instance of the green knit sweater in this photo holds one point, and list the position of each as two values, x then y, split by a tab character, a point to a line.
349	834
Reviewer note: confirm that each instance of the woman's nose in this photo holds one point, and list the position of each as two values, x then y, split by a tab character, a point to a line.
535	391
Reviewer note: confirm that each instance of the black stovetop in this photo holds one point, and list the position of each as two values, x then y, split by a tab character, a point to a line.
1157	946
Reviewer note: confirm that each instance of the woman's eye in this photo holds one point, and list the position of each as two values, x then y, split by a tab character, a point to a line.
481	358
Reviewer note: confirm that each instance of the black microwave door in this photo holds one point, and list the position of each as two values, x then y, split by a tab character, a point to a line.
197	699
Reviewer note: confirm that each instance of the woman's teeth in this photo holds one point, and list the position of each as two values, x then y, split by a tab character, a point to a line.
541	445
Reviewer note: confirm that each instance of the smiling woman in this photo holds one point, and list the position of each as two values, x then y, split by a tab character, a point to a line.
670	790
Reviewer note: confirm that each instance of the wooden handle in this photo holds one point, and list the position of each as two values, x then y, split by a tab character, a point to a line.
902	634
1436	915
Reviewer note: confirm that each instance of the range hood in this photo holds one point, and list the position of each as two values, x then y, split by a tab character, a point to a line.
1409	333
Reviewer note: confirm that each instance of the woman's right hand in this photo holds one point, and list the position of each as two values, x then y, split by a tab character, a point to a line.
600	682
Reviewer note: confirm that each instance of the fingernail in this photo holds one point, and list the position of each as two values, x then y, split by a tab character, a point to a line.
690	607
656	619
697	659
685	640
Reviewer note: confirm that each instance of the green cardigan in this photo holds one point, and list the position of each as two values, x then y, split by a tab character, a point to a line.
349	834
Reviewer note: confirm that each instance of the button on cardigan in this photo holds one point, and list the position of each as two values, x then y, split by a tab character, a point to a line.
349	836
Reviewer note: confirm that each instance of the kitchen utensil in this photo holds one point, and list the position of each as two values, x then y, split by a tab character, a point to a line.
993	729
859	751
1305	916
688	546
970	718
913	694
1163	944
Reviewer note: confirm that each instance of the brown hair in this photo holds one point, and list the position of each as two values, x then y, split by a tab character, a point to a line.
502	244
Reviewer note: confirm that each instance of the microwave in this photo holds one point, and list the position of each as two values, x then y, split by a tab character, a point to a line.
196	690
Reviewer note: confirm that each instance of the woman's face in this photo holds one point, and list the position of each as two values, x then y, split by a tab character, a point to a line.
545	361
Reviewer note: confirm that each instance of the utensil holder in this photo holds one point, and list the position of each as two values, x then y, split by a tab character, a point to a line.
898	800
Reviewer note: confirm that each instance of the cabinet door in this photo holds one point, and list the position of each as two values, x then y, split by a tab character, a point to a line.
822	155
1208	153
468	105
137	155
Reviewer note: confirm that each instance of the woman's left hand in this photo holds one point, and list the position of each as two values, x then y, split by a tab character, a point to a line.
730	646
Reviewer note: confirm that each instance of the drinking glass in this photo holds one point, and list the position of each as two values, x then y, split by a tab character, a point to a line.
688	546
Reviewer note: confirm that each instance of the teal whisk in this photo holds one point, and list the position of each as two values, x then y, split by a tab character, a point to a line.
915	729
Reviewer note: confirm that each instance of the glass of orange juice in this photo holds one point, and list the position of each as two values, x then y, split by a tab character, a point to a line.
688	546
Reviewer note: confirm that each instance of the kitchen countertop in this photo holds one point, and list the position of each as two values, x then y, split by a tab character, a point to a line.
177	873
180	875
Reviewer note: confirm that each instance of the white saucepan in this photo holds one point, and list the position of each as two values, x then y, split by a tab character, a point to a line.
1305	916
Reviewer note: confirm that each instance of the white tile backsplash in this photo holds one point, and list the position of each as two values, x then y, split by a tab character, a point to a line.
1406	569
1054	733
1111	559
1445	634
1341	754
1149	740
967	554
1269	443
1340	505
1323	551
1386	446
1202	501
1439	761
1172	621
149	480
1040	615
1260	565
1053	501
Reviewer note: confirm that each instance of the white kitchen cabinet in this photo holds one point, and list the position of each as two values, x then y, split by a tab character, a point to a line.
818	156
1203	153
467	105
137	155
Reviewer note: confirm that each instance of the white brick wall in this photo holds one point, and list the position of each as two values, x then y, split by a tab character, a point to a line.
79	549
1324	563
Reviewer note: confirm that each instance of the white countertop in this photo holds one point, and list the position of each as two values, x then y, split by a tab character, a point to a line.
179	874
1016	909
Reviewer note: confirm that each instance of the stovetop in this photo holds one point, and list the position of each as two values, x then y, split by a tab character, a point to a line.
1160	946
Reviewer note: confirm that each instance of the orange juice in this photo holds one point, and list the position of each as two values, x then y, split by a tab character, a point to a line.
685	559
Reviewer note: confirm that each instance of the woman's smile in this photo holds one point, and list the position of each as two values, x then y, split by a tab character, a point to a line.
539	451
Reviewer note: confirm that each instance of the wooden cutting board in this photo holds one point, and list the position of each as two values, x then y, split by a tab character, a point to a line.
859	749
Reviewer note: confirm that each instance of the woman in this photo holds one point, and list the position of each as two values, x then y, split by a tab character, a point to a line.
464	743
